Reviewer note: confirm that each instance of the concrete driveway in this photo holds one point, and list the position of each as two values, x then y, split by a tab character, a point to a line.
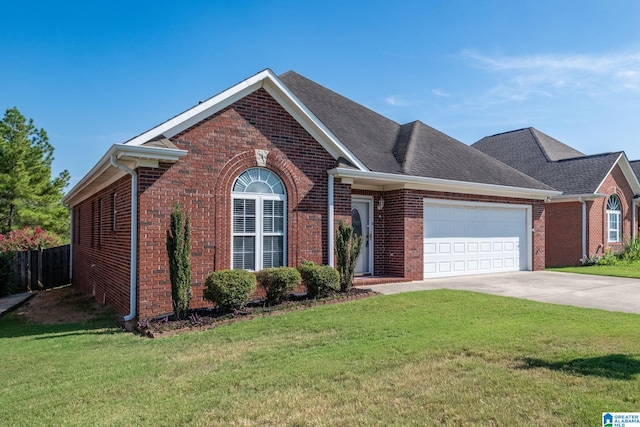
581	290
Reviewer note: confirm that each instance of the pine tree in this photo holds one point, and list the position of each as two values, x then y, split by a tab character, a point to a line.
29	197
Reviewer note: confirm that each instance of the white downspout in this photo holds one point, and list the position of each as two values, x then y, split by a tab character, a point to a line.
584	227
634	227
71	246
134	237
330	218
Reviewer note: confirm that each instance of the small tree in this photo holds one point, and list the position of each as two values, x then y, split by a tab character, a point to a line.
178	249
29	195
348	247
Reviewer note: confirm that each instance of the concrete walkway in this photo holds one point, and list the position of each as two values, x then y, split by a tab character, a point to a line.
12	301
581	290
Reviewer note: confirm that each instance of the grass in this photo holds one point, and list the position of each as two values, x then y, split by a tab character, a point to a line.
622	269
426	358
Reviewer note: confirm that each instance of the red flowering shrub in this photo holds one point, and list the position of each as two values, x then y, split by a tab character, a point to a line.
27	238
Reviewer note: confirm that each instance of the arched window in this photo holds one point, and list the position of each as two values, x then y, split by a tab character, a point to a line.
259	218
614	219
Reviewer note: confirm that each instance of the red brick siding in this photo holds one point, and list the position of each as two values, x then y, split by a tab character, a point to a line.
564	234
102	270
219	149
404	228
564	223
614	183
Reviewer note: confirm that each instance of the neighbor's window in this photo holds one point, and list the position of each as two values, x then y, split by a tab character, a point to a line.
614	219
259	218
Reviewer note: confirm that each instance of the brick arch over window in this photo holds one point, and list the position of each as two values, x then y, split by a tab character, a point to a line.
223	187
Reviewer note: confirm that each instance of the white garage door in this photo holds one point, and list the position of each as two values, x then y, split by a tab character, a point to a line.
474	238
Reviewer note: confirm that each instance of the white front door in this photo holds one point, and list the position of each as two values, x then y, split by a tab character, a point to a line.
361	221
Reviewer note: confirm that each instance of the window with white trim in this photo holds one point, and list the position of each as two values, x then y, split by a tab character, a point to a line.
259	218
614	219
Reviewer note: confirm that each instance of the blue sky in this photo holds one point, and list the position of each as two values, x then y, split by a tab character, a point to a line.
97	73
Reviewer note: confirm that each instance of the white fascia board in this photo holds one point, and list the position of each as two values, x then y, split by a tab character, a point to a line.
390	181
588	197
125	152
310	122
271	83
628	172
203	110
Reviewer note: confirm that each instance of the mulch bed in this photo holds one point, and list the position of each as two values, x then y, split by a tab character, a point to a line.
204	319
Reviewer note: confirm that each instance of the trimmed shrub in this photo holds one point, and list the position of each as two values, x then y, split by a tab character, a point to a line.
278	282
320	280
230	289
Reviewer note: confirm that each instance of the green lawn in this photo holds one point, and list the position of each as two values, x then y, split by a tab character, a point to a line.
423	358
631	270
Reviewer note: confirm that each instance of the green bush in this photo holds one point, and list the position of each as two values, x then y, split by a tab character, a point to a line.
320	280
278	282
632	251
230	289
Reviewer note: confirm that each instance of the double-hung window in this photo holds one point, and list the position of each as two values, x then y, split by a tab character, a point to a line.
614	219
259	220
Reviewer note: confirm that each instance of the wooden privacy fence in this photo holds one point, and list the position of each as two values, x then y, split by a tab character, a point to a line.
41	268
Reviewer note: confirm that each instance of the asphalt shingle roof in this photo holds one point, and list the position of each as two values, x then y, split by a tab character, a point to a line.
548	160
411	149
635	164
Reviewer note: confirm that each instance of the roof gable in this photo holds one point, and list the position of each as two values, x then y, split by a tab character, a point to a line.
554	163
271	83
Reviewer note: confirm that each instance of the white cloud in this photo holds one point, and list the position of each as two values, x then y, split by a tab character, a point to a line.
440	92
397	101
522	77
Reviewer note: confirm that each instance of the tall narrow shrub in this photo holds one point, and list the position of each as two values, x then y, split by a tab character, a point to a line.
348	247
178	249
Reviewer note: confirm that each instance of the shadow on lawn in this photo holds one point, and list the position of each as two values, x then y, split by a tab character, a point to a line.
11	326
613	366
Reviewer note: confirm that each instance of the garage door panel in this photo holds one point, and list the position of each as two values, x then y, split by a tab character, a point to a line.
471	240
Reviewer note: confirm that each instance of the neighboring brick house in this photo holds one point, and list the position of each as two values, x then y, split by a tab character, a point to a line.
267	168
598	208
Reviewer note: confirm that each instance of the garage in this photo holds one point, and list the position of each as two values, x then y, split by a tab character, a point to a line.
463	238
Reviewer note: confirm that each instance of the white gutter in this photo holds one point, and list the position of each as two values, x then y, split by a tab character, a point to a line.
584	227
446	185
330	218
134	237
71	247
587	197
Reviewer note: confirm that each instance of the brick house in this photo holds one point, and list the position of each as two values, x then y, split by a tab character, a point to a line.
598	207
267	168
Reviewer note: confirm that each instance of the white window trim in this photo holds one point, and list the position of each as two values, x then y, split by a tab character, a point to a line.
610	229
618	217
259	233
